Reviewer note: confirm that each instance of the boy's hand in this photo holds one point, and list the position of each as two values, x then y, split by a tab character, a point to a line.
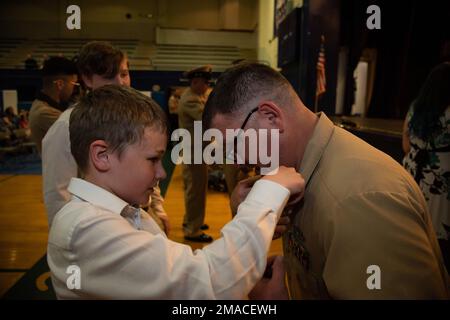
272	285
290	179
287	177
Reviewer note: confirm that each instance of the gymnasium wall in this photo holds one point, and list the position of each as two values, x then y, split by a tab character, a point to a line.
108	19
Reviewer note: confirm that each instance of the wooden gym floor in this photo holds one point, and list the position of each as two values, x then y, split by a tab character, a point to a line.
24	230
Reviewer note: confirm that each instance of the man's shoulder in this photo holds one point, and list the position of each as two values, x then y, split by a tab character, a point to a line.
351	155
350	167
41	108
37	104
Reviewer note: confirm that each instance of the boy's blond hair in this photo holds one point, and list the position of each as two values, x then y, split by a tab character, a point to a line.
116	114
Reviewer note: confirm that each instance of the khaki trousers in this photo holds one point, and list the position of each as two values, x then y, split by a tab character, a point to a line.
195	178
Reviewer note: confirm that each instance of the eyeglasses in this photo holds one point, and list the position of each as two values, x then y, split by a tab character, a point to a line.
232	154
74	83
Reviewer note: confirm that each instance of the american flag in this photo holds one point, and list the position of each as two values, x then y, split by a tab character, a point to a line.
321	80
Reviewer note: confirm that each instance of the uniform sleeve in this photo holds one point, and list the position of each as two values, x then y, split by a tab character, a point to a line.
389	232
116	261
58	167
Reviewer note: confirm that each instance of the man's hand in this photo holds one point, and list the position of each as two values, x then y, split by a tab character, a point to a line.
287	177
272	285
240	192
281	227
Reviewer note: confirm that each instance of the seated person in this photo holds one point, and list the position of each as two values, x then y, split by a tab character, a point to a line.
12	118
118	137
23	119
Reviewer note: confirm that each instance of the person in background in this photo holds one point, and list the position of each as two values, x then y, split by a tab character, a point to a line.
174	100
426	143
30	63
5	125
12	117
23	122
195	176
59	78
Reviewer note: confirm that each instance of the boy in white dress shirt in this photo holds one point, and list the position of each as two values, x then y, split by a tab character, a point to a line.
118	137
99	63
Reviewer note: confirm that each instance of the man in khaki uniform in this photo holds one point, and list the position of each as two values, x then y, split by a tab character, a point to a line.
195	176
363	230
59	79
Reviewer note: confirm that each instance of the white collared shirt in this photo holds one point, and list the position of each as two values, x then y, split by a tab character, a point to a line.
117	261
59	166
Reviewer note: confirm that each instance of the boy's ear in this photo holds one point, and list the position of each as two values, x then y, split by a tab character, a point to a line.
272	115
99	155
87	81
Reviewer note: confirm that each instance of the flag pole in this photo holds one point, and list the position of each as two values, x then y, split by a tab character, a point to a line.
320	73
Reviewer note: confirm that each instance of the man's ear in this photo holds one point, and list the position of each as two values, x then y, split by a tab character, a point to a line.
272	114
87	81
99	155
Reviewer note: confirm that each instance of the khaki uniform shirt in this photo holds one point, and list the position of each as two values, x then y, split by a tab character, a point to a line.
42	116
361	209
190	109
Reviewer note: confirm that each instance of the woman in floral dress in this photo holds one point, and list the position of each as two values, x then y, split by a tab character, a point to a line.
426	142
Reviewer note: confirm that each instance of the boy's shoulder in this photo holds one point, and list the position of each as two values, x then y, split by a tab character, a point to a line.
65	116
77	215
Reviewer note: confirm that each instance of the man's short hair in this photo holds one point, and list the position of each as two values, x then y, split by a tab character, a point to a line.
99	57
116	114
58	66
239	85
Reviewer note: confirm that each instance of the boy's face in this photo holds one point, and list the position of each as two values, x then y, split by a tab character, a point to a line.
139	168
122	78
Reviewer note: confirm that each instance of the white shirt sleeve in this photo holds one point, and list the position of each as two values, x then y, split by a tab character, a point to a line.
58	167
119	262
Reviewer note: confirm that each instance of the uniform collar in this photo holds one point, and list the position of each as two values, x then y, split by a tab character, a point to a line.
316	146
95	195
